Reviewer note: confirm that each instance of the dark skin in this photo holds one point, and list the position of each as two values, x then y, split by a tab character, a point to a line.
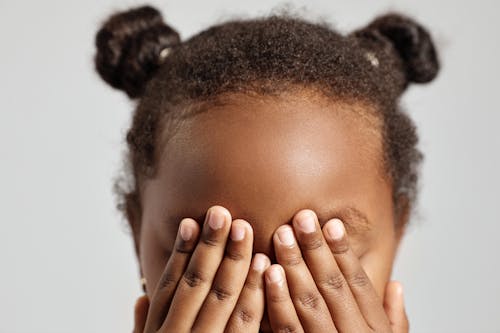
280	174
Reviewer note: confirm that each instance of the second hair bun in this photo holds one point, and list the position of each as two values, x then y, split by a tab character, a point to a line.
412	42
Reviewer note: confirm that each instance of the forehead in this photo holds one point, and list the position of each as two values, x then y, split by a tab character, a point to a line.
261	155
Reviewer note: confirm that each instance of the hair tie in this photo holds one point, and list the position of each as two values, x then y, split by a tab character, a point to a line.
372	58
164	54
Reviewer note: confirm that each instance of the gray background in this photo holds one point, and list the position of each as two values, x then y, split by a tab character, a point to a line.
67	261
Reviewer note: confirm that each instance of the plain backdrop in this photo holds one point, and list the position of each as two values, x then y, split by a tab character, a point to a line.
67	259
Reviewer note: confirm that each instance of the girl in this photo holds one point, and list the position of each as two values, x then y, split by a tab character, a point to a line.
271	170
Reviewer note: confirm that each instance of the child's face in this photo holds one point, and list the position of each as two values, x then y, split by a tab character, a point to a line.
264	160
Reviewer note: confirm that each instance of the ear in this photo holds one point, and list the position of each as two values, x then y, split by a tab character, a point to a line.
402	215
133	212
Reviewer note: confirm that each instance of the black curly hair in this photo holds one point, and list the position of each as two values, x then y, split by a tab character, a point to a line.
265	56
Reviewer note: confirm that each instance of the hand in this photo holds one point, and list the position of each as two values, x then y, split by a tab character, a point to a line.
140	313
319	284
208	286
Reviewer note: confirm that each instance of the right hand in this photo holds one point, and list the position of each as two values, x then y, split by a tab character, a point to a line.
208	286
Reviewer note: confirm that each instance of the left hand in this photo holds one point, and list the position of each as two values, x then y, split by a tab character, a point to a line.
319	284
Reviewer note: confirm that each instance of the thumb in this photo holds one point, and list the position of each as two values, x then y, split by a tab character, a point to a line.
394	307
140	313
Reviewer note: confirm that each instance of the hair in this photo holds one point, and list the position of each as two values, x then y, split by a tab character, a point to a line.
266	56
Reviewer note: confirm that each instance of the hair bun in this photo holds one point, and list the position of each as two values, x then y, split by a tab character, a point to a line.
412	42
128	48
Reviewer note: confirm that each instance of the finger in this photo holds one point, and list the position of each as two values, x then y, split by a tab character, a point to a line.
366	297
394	307
326	274
140	313
229	280
185	243
196	281
249	310
309	304
280	308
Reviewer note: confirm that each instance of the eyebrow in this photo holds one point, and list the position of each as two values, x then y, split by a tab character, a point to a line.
355	221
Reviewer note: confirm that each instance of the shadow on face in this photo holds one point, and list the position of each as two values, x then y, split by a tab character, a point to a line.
264	159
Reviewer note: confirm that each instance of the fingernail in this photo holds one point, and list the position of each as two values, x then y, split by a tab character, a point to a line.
285	235
186	232
215	220
275	275
306	222
237	232
335	229
259	262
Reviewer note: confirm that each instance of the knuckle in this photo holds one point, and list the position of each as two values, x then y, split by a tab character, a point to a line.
245	316
309	300
339	248
359	279
333	282
277	298
193	278
234	255
291	259
287	328
221	293
167	280
183	248
210	240
254	285
311	244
